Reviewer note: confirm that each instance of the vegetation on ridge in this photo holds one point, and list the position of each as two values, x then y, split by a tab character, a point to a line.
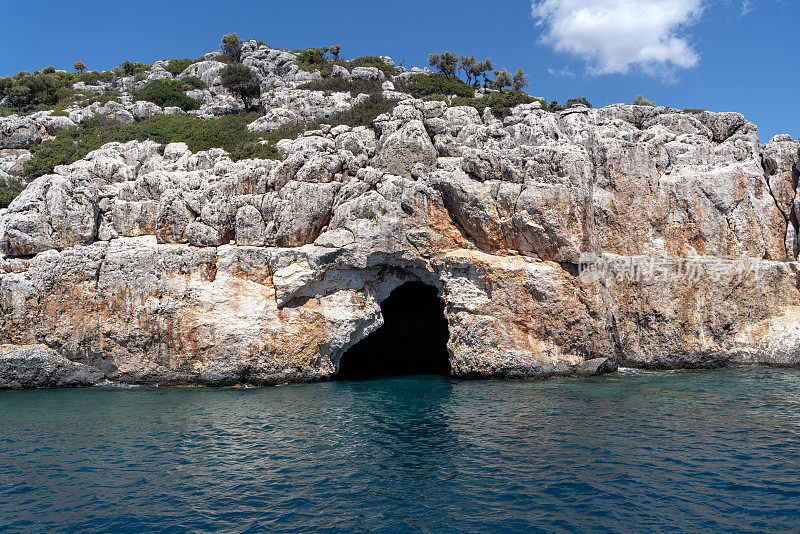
228	132
422	85
323	59
170	93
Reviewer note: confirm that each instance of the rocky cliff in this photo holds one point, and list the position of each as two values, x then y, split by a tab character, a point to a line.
561	243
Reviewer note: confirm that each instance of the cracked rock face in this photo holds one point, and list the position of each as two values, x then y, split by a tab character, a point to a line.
156	265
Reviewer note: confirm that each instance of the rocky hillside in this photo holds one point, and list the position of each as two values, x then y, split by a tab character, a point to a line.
149	262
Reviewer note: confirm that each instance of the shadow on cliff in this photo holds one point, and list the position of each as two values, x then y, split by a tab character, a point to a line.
412	340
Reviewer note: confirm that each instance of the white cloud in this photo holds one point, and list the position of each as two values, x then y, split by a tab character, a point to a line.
564	72
613	36
747	7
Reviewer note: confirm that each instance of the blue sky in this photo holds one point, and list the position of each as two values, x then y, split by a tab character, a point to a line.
722	55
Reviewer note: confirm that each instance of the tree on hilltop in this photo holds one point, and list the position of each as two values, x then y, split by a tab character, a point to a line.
241	80
232	47
446	63
79	66
520	80
467	66
502	79
482	68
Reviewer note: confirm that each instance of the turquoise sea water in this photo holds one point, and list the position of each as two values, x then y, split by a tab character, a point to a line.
709	451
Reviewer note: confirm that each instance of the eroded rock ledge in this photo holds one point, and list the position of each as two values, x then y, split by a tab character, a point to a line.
151	264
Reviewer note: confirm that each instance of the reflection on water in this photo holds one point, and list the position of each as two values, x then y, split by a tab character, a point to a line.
691	451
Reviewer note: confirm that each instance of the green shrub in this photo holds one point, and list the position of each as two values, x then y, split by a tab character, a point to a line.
9	189
192	82
107	76
363	114
232	47
311	59
340	85
580	101
49	70
642	101
500	103
34	92
176	66
27	90
166	93
68	78
371	61
693	111
243	81
421	85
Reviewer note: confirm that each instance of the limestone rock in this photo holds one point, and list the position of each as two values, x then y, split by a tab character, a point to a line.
401	151
369	74
37	366
162	265
18	132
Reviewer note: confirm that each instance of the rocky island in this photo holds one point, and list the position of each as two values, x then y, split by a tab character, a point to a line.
549	242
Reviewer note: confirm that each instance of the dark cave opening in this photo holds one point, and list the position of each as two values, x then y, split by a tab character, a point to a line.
412	339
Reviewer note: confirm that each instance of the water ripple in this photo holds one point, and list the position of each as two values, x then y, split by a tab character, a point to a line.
635	451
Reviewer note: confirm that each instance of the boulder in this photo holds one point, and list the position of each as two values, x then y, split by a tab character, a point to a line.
37	366
368	74
18	132
401	151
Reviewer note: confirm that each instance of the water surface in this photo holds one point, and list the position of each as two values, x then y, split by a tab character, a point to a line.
706	451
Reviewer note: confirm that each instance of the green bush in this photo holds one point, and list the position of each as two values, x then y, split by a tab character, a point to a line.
34	92
9	189
166	93
176	66
370	61
27	90
311	59
69	78
340	85
241	80
421	85
363	114
192	82
232	47
500	103
642	101
106	76
580	101
129	68
693	111
49	70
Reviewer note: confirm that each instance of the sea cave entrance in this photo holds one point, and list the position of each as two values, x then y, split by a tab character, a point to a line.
412	339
